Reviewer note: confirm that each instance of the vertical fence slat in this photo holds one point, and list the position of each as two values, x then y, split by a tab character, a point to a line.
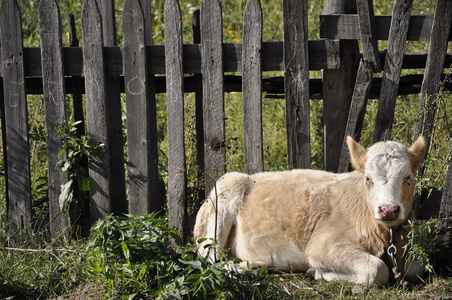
96	109
252	87
392	69
117	191
141	192
296	81
433	70
16	117
156	188
368	31
213	96
196	26
175	106
55	105
368	65
337	86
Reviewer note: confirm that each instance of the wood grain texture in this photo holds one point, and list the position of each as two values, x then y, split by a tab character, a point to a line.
368	30
323	54
252	87
341	26
55	108
338	88
392	69
143	181
213	97
177	182
433	70
16	117
96	110
114	111
296	76
357	111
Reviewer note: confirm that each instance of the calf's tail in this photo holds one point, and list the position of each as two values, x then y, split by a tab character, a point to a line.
219	213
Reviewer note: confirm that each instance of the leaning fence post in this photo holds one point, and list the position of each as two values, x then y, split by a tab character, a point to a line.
369	64
16	117
392	69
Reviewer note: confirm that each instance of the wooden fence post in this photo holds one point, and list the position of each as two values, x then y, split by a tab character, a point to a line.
338	86
252	87
16	117
213	95
55	107
143	186
117	191
431	82
296	83
196	25
392	69
369	64
96	110
177	185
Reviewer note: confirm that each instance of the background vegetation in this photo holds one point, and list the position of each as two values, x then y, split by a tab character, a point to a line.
33	266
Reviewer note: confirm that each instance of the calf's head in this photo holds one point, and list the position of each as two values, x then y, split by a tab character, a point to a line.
388	170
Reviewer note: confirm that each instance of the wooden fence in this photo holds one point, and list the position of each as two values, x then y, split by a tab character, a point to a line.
102	70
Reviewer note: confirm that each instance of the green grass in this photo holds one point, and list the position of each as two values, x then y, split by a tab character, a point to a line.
34	266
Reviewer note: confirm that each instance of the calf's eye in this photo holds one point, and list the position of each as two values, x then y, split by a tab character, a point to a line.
368	180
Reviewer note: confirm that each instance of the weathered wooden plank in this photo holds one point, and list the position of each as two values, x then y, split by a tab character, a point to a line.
445	211
252	87
433	71
369	64
143	184
55	107
78	84
296	74
337	91
346	27
197	78
114	111
156	203
392	69
357	111
16	118
96	110
272	58
177	174
213	97
368	34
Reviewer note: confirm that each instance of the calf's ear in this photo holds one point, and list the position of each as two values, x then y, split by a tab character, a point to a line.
417	152
358	154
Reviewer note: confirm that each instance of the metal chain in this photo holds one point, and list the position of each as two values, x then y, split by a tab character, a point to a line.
392	250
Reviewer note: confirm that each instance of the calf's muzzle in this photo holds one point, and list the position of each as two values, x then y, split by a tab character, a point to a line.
388	211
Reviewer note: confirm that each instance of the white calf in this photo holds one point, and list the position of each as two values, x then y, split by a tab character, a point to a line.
335	225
